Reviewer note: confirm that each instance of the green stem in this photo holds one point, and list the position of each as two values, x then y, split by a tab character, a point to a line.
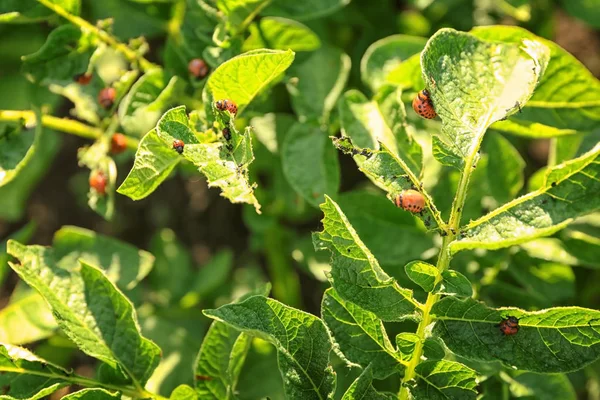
86	382
176	21
60	124
131	55
443	263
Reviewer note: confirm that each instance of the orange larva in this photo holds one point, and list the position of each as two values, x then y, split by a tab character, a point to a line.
410	200
423	105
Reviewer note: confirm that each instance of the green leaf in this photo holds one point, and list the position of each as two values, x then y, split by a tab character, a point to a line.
386	170
391	234
304	10
123	263
14	195
213	274
241	78
220	360
541	386
35	378
560	339
505	168
444	380
22	235
26	320
65	55
474	83
570	190
102	203
183	392
92	394
355	274
316	84
148	98
407	75
90	311
359	336
383	120
310	163
454	283
423	274
17	147
240	13
28	11
567	98
301	340
385	55
225	169
361	388
406	342
433	349
154	161
281	34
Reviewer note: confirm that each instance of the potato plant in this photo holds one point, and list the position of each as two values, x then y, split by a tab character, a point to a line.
450	266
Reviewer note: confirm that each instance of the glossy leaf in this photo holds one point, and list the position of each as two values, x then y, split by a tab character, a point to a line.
17	147
361	388
301	341
26	320
567	98
316	84
407	75
541	386
570	190
359	336
385	55
183	392
220	361
454	283
36	378
505	168
281	34
305	10
433	349
90	310
423	274
406	343
154	162
443	379
355	274
148	98
474	83
560	339
310	163
224	168
241	78
239	13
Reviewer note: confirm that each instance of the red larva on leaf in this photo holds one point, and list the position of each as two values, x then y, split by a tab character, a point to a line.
98	182
178	145
198	68
226	104
107	96
423	105
118	143
83	79
410	200
509	326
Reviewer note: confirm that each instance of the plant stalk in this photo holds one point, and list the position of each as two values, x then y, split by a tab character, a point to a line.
60	124
131	55
443	263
